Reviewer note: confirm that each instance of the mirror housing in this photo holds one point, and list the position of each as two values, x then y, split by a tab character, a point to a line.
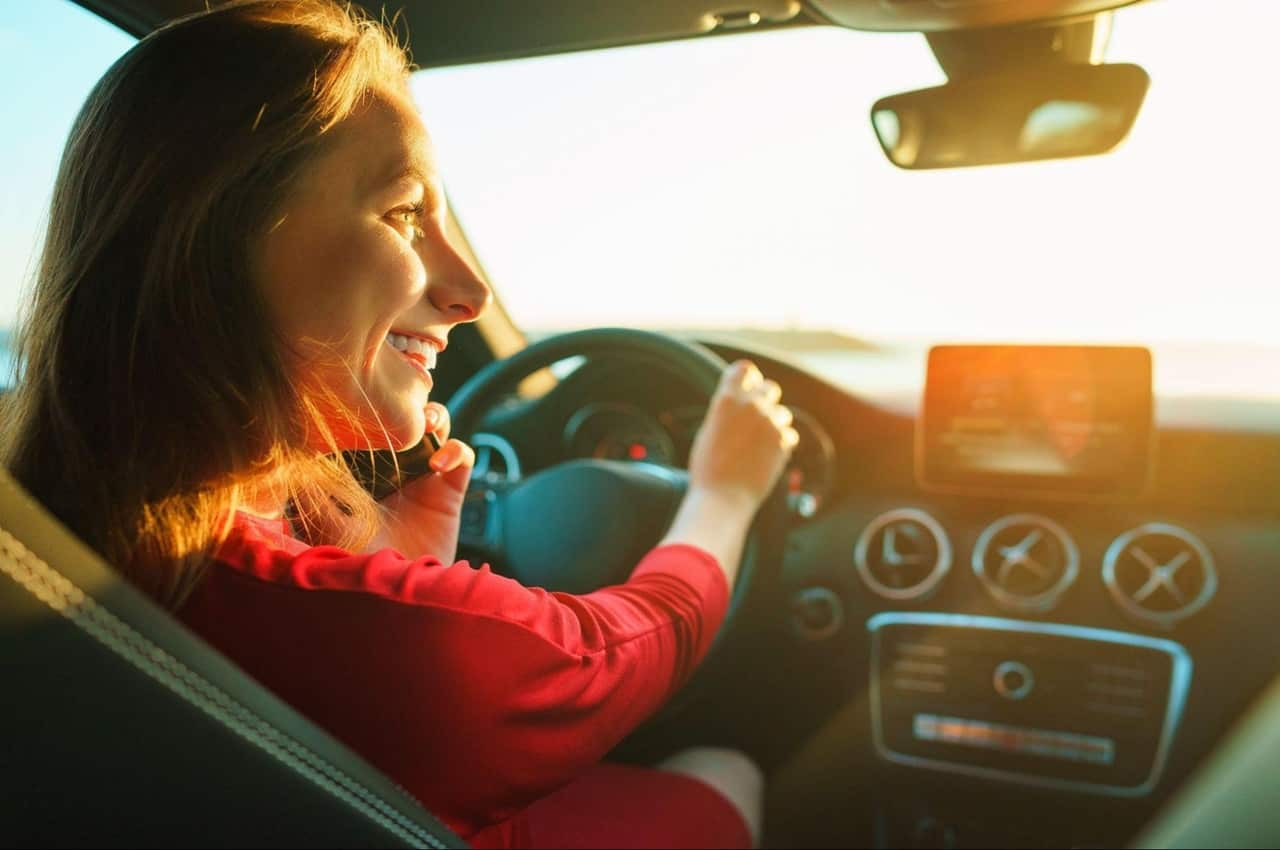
1012	114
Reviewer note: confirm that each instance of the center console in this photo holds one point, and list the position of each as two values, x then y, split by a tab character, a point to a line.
1040	704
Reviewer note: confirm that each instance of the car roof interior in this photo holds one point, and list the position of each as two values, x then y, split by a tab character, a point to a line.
484	30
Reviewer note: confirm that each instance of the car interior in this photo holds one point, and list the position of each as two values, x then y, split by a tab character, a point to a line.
1016	586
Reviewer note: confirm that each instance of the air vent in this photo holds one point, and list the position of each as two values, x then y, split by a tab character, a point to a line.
1159	573
1026	562
1121	691
903	554
917	668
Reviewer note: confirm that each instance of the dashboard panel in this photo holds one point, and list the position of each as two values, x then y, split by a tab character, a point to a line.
1181	579
1192	562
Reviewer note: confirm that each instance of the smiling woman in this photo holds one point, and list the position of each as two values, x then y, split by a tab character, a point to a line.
148	274
246	274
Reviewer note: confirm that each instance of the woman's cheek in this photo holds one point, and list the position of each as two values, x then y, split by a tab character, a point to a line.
410	275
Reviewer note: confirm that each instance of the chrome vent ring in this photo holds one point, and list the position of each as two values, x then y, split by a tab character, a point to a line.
1026	562
903	554
1160	573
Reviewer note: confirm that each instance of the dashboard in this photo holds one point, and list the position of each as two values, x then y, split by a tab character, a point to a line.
944	653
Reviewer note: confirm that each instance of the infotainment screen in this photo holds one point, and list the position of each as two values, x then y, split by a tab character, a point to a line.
1051	420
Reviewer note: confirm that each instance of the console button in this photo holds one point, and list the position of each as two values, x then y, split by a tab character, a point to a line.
1013	680
816	613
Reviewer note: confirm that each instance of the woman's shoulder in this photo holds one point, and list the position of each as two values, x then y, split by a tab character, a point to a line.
272	532
263	556
267	549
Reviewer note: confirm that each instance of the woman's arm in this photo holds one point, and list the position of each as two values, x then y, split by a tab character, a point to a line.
477	694
736	459
715	522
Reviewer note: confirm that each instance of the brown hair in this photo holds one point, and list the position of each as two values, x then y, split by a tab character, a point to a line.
153	394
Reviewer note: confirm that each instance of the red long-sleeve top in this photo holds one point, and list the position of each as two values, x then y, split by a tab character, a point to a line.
475	693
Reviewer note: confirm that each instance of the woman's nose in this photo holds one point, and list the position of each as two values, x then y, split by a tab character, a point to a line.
453	287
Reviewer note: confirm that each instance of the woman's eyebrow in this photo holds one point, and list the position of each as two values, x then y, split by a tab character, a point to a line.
402	170
433	189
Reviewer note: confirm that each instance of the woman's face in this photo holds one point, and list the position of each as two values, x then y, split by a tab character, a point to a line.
361	280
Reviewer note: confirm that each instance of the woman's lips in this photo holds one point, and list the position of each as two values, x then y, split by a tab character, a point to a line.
417	362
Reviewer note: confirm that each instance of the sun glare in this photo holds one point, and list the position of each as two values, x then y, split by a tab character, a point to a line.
737	182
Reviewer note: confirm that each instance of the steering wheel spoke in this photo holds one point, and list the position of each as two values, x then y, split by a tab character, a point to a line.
480	526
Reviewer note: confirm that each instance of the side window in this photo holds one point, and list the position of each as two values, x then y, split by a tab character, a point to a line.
51	54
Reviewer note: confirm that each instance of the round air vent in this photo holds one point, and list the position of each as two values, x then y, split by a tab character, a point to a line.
1160	573
903	554
1026	562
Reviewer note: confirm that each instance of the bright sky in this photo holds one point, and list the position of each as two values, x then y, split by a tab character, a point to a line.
51	54
737	181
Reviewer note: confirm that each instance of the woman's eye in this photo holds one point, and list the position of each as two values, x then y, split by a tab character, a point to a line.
411	216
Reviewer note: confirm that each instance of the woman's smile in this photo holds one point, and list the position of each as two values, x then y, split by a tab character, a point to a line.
420	353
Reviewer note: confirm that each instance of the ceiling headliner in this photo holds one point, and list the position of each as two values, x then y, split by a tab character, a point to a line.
453	32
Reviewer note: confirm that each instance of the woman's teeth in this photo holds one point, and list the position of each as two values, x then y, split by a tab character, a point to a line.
413	346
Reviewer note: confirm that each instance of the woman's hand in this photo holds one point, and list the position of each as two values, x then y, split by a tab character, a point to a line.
422	517
745	441
737	457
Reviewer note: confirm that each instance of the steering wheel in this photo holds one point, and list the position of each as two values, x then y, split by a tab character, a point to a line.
583	524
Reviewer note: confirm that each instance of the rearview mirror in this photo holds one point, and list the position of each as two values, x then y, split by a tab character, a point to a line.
1015	115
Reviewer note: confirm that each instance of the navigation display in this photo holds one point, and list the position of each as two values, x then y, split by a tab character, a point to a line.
1053	420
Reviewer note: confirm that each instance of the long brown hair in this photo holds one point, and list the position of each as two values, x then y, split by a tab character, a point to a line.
152	392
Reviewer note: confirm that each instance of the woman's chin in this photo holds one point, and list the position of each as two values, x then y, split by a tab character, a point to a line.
395	431
406	432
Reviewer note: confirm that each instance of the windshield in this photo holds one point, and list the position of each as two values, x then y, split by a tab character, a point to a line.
735	184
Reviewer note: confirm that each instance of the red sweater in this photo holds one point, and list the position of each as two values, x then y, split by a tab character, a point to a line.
475	693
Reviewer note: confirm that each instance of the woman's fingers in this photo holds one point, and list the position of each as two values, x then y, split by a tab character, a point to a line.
782	417
453	455
438	421
770	392
744	381
741	377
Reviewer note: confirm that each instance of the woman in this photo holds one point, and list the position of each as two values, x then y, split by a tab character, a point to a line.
246	272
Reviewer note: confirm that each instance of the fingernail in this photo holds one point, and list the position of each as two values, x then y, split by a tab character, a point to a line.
432	415
443	457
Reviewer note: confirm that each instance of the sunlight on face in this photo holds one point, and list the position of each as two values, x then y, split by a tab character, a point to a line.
362	283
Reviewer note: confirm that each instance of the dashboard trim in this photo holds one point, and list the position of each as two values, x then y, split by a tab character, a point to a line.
1179	684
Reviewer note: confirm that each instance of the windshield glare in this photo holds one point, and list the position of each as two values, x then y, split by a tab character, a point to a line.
736	183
